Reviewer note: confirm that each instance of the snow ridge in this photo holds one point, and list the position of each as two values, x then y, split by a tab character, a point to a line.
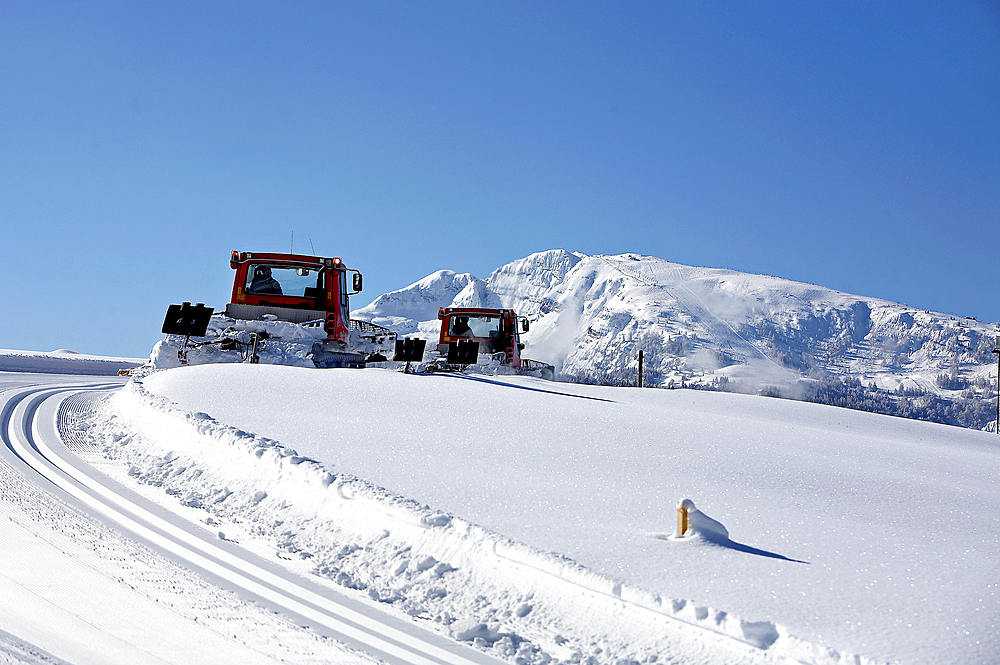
521	604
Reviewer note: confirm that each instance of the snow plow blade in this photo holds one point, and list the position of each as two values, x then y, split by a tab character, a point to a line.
539	369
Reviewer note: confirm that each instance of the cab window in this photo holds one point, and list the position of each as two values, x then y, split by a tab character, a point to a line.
464	325
296	282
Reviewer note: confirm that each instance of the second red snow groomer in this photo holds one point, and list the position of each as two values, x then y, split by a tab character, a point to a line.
496	330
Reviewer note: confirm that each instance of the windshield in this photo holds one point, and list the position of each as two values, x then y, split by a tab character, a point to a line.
466	325
284	281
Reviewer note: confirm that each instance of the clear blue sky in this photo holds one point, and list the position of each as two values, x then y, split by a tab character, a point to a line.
854	145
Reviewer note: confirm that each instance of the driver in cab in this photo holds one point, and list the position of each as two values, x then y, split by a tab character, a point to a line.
263	282
460	327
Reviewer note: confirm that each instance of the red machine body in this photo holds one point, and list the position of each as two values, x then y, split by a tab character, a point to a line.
496	330
295	288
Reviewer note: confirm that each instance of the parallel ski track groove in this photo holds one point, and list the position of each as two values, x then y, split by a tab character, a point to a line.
29	431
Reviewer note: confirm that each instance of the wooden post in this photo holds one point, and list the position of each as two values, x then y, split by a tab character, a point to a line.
640	368
996	350
684	506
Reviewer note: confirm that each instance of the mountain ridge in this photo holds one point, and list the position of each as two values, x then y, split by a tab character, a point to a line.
723	329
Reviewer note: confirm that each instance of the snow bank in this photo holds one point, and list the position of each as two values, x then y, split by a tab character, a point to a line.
524	604
842	524
515	599
64	361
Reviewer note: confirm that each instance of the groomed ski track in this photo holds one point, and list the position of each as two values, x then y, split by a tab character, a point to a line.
70	470
33	446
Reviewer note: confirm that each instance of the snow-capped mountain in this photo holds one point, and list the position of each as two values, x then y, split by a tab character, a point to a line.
703	327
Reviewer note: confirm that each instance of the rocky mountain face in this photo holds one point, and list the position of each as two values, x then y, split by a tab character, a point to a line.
721	329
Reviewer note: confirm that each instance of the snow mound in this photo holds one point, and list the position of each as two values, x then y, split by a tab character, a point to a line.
701	525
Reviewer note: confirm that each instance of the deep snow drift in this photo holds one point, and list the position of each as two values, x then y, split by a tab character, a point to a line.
443	497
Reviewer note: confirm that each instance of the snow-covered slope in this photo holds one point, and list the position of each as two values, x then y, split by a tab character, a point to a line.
827	536
63	361
714	327
404	310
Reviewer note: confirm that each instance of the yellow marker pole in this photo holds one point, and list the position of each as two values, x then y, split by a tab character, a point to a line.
684	506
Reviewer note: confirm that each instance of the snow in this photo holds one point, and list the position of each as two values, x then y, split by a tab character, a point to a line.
537	520
703	327
64	361
76	591
590	316
470	499
287	344
405	309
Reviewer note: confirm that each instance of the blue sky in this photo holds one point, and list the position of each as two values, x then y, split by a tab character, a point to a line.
854	145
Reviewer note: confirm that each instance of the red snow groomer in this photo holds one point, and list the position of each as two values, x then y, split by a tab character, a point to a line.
495	331
270	292
294	288
467	332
